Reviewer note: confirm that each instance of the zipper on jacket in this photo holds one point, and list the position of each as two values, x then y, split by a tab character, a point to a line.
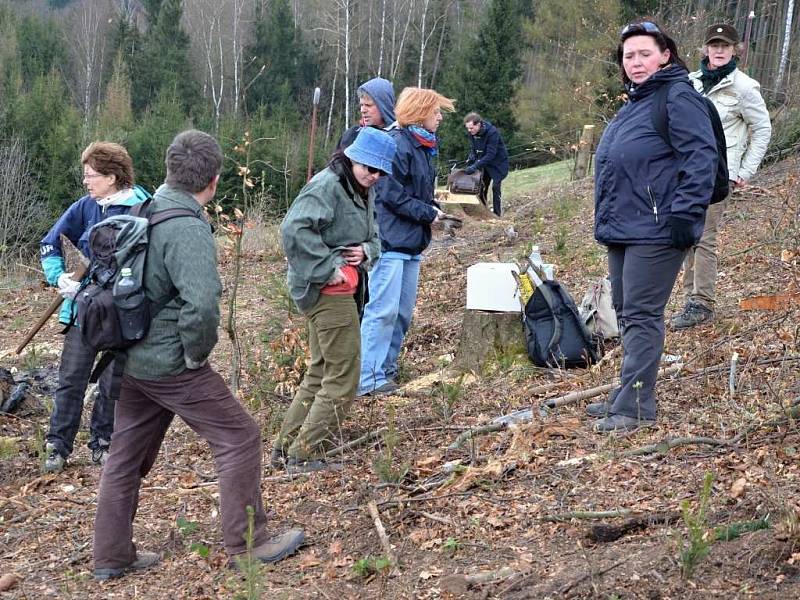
653	202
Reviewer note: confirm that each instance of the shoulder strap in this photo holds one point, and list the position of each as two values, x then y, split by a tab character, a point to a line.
171	213
547	296
659	115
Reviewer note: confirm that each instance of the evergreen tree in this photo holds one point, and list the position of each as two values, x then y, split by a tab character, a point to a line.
278	69
485	76
128	44
167	49
115	117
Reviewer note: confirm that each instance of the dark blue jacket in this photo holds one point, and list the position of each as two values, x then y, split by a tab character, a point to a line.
640	181
404	201
488	151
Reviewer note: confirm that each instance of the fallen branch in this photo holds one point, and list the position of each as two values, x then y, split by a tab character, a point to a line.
586	514
360	441
376	520
503	573
668	444
473	432
591	575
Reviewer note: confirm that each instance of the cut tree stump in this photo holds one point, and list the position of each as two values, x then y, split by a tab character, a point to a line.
486	334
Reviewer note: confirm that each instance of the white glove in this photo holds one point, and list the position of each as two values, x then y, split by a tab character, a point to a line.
68	287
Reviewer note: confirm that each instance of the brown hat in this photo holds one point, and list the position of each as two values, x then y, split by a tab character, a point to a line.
720	31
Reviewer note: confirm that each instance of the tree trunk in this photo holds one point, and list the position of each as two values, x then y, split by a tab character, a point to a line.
486	335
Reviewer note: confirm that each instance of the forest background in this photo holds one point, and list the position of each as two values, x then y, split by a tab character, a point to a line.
139	71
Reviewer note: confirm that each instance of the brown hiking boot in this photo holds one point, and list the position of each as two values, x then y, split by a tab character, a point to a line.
274	549
144	560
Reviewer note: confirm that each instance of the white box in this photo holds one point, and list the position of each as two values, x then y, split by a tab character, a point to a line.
491	286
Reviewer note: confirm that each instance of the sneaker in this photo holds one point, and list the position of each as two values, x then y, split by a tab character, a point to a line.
295	466
100	452
276	548
386	388
54	461
598	409
621	423
144	560
692	314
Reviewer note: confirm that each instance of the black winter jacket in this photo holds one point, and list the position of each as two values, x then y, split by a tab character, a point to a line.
640	181
488	151
404	201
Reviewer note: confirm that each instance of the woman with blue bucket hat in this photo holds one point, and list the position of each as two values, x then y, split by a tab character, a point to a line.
330	238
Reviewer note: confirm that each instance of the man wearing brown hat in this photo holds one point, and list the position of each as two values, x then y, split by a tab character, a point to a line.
747	127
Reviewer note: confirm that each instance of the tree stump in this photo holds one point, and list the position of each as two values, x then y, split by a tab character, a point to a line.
486	334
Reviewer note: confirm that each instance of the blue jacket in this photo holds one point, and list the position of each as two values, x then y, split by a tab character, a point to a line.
382	92
640	181
75	224
488	151
404	201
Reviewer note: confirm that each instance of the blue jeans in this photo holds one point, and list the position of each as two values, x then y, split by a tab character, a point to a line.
387	317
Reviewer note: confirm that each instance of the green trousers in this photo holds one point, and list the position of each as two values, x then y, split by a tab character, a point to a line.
311	426
700	265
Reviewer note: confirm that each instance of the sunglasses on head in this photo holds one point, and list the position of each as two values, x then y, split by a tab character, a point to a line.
643	27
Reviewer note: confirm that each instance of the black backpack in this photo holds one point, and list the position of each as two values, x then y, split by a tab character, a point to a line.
661	124
113	317
554	331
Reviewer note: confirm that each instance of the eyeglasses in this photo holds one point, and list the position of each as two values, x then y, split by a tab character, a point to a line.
374	170
93	175
643	27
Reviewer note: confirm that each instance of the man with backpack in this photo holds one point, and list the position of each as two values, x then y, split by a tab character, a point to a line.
745	120
168	374
487	153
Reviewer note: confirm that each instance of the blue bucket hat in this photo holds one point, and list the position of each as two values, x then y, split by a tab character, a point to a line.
373	148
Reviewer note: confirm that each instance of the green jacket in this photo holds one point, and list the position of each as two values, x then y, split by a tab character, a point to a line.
325	218
182	260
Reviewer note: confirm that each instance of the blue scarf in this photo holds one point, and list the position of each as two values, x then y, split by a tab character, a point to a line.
426	138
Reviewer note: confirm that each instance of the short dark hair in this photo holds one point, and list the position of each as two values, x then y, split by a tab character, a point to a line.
661	37
108	158
194	158
473	117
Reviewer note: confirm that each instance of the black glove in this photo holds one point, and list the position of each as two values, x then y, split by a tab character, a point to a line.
682	233
470	170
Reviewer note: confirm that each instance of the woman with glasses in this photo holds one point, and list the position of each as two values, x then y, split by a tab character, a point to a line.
650	203
406	210
109	181
747	127
330	238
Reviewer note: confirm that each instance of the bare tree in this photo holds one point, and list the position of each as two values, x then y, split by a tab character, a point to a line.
22	210
787	38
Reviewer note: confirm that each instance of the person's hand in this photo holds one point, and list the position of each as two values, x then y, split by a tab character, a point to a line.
337	277
354	255
68	287
470	170
739	182
439	215
682	233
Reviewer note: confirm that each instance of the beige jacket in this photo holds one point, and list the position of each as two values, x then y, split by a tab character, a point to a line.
745	119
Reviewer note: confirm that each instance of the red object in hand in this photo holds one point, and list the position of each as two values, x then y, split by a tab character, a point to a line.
345	288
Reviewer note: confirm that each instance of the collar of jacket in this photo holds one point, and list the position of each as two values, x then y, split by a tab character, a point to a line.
349	187
664	76
726	81
180	197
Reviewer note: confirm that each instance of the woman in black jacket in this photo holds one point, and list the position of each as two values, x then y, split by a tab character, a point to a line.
650	201
406	210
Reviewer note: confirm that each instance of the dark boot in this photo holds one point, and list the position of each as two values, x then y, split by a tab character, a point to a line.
692	314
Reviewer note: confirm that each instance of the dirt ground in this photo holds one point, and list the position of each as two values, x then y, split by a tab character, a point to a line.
500	521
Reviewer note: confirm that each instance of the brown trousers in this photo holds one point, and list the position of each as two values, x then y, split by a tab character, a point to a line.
143	414
700	265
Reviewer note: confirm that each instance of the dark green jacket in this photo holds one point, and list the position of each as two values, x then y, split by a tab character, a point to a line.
182	258
326	217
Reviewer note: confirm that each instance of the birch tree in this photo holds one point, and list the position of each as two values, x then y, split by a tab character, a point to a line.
787	38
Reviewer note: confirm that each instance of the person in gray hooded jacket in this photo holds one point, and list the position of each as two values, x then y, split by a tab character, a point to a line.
376	104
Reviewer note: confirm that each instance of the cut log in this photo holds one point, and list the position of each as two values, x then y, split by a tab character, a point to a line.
776	302
487	334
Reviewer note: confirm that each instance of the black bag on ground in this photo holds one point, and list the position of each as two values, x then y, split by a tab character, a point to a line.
660	121
554	331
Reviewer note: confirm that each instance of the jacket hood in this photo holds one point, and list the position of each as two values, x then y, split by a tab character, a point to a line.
659	78
382	92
